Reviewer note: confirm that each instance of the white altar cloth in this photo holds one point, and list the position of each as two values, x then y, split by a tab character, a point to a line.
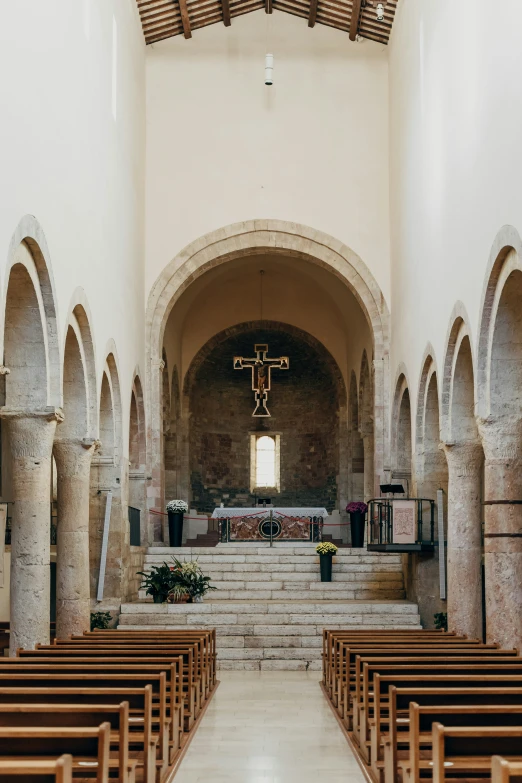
230	513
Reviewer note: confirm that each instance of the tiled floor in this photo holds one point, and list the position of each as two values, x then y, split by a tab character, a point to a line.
269	727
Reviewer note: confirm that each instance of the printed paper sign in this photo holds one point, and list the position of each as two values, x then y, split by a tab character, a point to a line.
404	522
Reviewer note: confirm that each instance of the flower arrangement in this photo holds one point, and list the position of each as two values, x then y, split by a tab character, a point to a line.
357	507
171	582
326	548
177	506
190	576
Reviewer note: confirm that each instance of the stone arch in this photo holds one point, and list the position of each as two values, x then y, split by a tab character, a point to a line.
458	405
356	445
504	264
107	475
257	237
137	428
401	440
499	371
73	451
79	320
31	287
31	396
172	445
366	425
137	459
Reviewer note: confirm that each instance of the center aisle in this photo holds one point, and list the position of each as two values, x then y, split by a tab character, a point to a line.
269	727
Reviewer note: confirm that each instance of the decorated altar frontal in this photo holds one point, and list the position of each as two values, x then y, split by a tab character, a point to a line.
270	524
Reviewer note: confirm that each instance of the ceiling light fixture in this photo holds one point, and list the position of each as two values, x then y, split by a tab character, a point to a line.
269	69
380	12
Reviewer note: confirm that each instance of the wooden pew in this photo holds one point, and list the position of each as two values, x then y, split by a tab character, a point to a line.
383	682
434	667
96	680
61	665
159	634
504	771
58	771
348	687
89	747
74	715
347	651
465	750
191	683
423	718
140	706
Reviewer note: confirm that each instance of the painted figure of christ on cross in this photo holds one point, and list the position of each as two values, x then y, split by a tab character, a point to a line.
261	367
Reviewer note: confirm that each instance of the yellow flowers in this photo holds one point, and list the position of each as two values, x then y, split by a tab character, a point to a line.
326	548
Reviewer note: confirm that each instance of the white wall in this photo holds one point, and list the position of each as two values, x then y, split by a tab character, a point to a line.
455	162
65	159
222	147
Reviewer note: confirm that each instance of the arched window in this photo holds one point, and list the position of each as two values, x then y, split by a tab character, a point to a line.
265	462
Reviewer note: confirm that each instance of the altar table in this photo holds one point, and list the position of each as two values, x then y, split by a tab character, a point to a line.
264	524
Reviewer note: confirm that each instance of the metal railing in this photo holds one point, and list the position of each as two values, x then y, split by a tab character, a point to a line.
380	521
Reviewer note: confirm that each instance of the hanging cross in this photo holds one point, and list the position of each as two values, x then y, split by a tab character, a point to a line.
261	368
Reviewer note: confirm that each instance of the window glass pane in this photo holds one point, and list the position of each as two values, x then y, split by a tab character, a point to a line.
265	462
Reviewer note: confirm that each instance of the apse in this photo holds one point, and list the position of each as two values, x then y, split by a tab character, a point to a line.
291	455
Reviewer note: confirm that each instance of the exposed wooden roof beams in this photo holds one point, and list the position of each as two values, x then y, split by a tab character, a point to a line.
166	18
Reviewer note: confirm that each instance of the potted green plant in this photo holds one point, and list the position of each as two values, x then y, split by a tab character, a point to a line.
178	595
100	620
357	511
158	582
189	575
326	550
176	510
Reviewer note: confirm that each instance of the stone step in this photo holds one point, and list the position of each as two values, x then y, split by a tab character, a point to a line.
265	635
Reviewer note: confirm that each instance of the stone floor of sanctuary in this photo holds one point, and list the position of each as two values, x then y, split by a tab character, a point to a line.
269	727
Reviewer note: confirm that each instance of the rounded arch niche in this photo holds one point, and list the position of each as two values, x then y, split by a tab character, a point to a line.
252	238
307	404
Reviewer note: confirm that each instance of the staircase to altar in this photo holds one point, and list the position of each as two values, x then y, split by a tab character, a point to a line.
270	606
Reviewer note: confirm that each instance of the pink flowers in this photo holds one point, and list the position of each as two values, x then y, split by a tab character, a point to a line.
357	507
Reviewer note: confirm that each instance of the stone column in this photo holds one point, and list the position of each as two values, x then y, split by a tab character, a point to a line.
503	530
31	435
369	477
464	538
73	466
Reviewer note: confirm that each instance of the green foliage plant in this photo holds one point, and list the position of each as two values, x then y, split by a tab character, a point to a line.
100	620
441	621
159	581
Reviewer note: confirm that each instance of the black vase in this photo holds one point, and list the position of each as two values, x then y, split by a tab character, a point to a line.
325	562
158	599
175	528
357	528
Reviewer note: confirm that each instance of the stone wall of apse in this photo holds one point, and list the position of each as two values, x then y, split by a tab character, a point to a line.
304	410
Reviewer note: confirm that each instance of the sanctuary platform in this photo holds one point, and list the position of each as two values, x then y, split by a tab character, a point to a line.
270	607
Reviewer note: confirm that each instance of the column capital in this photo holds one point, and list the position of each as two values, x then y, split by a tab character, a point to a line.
501	439
465	458
74	455
47	414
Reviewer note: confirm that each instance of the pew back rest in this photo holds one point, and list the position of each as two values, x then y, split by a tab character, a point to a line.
29	771
504	771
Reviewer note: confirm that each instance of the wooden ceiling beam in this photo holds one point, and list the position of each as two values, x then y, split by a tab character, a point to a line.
312	16
354	21
185	18
225	5
268	7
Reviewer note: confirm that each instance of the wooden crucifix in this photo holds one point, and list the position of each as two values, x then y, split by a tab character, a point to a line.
261	367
